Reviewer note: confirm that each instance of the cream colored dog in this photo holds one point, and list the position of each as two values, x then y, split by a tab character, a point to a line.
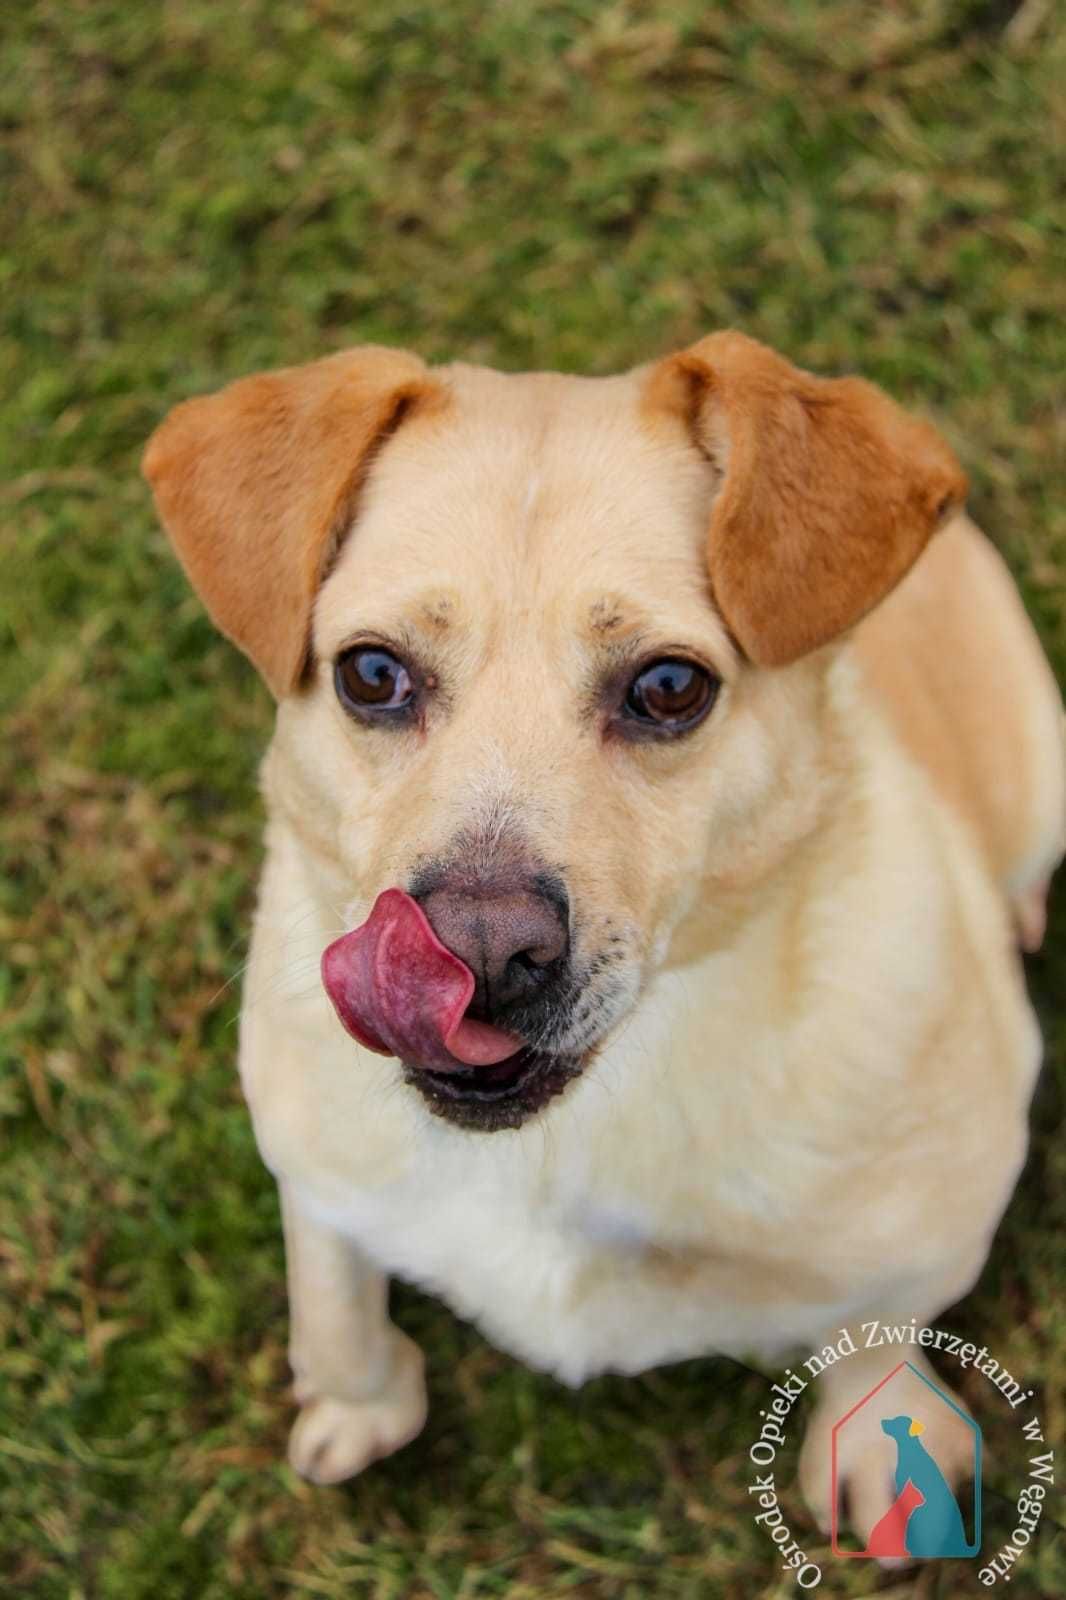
581	667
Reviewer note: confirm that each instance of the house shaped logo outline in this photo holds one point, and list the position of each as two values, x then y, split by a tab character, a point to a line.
969	1550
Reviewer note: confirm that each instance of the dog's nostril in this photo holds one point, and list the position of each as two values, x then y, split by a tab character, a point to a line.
524	974
530	961
527	970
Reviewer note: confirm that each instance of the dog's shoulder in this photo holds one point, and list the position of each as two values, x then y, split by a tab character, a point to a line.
954	661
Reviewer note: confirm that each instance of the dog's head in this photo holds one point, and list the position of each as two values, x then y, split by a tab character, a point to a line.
547	649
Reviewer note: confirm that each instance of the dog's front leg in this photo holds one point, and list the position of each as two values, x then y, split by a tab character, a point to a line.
358	1379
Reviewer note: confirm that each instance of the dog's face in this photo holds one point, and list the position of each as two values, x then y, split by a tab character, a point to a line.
514	681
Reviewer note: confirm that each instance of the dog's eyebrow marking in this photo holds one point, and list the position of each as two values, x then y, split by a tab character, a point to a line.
604	616
436	613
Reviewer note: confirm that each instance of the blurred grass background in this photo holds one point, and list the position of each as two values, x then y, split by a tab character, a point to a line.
191	191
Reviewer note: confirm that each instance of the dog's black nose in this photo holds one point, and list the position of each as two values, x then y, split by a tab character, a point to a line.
512	938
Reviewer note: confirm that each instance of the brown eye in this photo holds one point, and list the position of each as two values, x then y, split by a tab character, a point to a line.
369	679
672	695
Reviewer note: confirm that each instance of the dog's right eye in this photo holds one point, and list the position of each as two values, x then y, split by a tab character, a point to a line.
372	681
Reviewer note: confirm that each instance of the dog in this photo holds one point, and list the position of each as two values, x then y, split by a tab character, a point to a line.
670	773
935	1526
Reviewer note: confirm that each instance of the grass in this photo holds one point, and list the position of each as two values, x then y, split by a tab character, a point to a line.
193	191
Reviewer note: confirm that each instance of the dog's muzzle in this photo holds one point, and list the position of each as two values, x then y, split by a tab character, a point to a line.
458	980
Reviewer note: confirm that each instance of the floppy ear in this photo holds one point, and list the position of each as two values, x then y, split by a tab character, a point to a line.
828	494
255	484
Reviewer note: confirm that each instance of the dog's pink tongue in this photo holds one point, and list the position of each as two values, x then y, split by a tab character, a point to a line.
399	991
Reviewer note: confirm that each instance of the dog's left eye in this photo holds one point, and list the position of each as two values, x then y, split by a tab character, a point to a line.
369	679
670	694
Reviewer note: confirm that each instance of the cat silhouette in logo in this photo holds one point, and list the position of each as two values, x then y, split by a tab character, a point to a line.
935	1527
889	1536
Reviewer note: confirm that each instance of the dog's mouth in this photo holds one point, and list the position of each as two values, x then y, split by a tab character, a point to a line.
399	991
500	1096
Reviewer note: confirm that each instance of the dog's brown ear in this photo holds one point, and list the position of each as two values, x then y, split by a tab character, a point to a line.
828	494
255	484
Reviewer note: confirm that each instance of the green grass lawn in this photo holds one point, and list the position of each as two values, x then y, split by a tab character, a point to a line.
190	191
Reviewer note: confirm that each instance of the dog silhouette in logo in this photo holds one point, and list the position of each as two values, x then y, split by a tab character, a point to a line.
933	1528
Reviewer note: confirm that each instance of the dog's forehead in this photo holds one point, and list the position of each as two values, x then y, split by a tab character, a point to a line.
529	491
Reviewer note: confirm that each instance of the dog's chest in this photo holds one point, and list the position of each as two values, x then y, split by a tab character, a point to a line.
572	1276
578	1284
517	1256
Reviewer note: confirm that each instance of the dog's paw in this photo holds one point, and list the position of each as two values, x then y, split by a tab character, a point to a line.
866	1465
334	1439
